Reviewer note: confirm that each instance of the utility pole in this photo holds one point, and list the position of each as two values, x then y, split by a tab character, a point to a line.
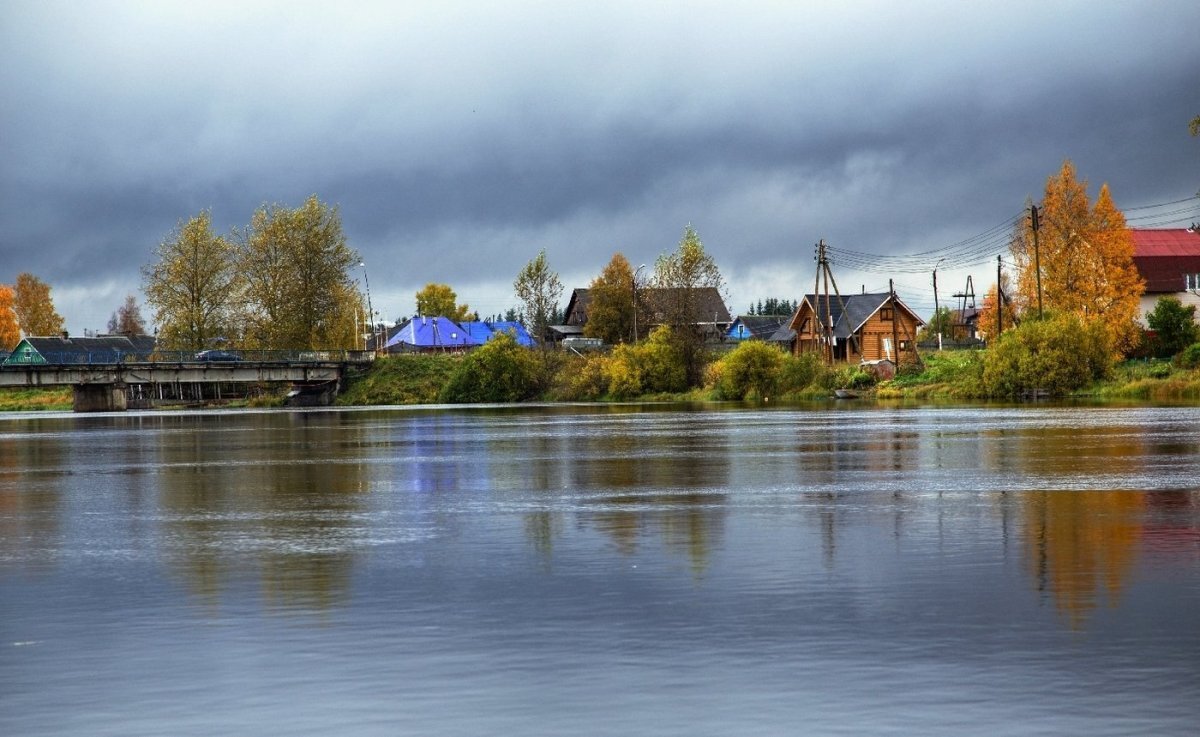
999	301
828	307
895	317
1037	257
937	315
370	309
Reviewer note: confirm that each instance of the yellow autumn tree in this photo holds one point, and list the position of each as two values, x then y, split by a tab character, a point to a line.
194	287
1086	258
439	300
35	308
10	330
296	262
610	310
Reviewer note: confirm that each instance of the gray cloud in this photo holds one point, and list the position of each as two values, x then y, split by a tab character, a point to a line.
458	139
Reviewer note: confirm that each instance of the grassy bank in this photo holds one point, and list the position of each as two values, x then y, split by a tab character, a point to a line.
405	379
50	399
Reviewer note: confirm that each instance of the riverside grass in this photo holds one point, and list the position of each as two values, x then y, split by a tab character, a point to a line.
945	375
49	399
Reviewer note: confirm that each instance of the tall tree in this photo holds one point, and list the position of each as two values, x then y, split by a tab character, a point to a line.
539	289
439	300
194	287
679	276
10	329
610	309
127	319
35	308
297	266
1086	256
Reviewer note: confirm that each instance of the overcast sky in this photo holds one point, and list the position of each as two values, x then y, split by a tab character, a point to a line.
458	139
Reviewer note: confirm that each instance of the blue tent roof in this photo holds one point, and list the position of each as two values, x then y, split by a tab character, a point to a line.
431	332
482	332
517	329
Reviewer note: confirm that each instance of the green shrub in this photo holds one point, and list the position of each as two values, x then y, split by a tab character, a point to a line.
751	370
1057	355
1189	358
799	372
654	366
500	371
1174	327
581	378
1158	370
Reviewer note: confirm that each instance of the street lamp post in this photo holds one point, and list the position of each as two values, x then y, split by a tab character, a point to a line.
635	310
370	309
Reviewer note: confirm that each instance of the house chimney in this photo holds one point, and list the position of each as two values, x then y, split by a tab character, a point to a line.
65	336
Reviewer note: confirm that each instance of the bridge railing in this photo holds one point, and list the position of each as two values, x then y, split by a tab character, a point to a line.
230	357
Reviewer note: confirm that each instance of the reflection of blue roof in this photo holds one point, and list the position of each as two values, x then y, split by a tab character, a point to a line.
482	332
431	332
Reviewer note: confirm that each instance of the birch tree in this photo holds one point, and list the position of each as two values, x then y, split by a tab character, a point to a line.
539	289
194	287
299	289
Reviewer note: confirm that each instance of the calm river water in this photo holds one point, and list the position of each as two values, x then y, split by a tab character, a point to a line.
602	571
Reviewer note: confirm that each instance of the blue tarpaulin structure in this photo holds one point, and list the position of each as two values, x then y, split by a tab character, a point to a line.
422	333
482	332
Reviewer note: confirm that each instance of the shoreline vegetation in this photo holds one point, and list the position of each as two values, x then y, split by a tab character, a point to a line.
1061	358
946	377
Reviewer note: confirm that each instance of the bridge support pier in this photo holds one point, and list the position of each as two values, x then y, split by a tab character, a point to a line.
99	398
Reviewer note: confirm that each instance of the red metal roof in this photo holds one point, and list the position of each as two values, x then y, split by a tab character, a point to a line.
1162	257
1166	242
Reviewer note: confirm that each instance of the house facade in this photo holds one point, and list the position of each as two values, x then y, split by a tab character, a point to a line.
856	327
755	327
1168	260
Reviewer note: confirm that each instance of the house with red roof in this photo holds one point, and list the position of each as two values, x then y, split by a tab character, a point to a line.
1168	260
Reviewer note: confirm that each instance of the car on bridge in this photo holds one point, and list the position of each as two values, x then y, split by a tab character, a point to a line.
215	355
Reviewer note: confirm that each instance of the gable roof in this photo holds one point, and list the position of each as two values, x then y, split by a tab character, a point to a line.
430	332
755	326
708	307
577	307
100	349
1163	256
858	309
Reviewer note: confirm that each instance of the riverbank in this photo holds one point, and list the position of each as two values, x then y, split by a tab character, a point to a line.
945	376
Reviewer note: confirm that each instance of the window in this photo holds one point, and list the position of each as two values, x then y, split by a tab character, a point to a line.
903	345
804	326
885	314
1192	281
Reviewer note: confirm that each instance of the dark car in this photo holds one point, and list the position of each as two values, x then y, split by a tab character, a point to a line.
217	356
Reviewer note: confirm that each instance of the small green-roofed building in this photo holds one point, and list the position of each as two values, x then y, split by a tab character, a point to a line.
64	350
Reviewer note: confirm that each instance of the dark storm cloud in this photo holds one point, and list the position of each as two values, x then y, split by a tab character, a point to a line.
458	139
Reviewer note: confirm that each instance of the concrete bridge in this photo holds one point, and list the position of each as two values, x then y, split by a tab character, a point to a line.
106	386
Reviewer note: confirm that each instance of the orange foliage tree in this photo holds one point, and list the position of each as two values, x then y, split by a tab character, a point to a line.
10	331
986	324
1086	256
